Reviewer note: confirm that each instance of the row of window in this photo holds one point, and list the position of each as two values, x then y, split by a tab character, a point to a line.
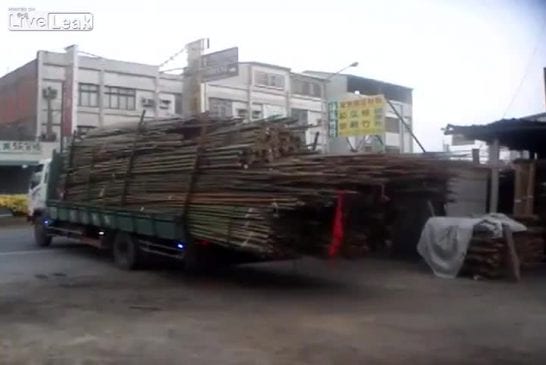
301	87
308	88
114	97
125	98
224	108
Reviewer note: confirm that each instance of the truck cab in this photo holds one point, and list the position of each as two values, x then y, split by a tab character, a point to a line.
37	191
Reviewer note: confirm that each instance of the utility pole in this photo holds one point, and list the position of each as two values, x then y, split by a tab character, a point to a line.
69	121
191	88
49	94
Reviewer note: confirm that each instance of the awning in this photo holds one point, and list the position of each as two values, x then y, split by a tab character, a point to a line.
516	134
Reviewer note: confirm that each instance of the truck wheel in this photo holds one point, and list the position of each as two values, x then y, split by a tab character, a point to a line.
126	252
41	237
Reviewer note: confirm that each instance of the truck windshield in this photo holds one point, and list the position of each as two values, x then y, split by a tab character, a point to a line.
36	176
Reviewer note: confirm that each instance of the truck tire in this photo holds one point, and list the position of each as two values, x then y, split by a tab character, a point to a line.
41	237
127	255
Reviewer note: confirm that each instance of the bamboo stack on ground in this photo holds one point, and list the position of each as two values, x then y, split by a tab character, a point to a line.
486	255
530	243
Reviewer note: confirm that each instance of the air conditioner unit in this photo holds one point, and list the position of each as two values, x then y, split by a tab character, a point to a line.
164	104
148	102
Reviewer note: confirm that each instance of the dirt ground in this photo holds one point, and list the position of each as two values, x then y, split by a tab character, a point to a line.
70	305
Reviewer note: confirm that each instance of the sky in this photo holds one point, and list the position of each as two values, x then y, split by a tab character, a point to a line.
468	61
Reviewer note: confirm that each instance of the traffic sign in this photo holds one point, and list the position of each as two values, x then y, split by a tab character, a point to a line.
220	65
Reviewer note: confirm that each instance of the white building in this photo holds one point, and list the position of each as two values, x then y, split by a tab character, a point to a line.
396	137
261	90
107	91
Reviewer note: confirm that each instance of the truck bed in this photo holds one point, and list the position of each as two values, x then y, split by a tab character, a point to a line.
164	226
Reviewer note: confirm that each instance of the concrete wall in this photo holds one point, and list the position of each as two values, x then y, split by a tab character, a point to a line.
402	140
18	103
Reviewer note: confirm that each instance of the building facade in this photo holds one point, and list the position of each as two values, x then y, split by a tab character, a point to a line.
105	92
44	101
397	137
262	91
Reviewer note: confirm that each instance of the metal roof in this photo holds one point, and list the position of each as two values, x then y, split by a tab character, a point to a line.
323	74
516	134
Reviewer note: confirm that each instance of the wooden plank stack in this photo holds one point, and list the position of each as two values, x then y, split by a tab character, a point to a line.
248	186
486	255
530	244
489	257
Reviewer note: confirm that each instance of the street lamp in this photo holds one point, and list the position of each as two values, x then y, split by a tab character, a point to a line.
354	64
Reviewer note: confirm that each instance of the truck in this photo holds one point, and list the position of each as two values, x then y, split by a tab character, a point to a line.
133	237
203	191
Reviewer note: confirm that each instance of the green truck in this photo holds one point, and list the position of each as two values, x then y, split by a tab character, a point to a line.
132	236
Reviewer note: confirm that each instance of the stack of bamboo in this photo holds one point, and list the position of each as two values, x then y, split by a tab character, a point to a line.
529	244
486	255
251	186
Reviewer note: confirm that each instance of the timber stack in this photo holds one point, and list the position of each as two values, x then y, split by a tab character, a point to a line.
249	186
486	255
529	244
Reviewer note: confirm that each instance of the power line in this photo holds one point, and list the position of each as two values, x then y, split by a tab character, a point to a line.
172	57
161	65
528	67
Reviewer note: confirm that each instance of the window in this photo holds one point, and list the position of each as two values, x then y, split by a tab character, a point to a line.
242	113
301	115
269	79
164	104
178	104
392	125
88	95
256	114
36	176
309	88
119	98
220	107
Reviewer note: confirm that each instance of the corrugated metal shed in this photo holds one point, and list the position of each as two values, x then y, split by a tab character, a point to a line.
517	134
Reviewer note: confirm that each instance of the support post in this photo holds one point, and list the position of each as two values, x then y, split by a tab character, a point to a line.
69	120
494	152
476	156
191	88
102	92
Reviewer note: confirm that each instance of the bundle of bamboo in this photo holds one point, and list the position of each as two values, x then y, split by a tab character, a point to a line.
251	186
529	244
486	255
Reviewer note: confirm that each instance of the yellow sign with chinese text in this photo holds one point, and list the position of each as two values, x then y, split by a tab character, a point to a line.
362	116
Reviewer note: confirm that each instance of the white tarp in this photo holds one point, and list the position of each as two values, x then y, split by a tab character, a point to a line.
444	240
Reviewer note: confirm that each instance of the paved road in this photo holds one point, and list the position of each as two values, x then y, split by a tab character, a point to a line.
16	238
69	304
